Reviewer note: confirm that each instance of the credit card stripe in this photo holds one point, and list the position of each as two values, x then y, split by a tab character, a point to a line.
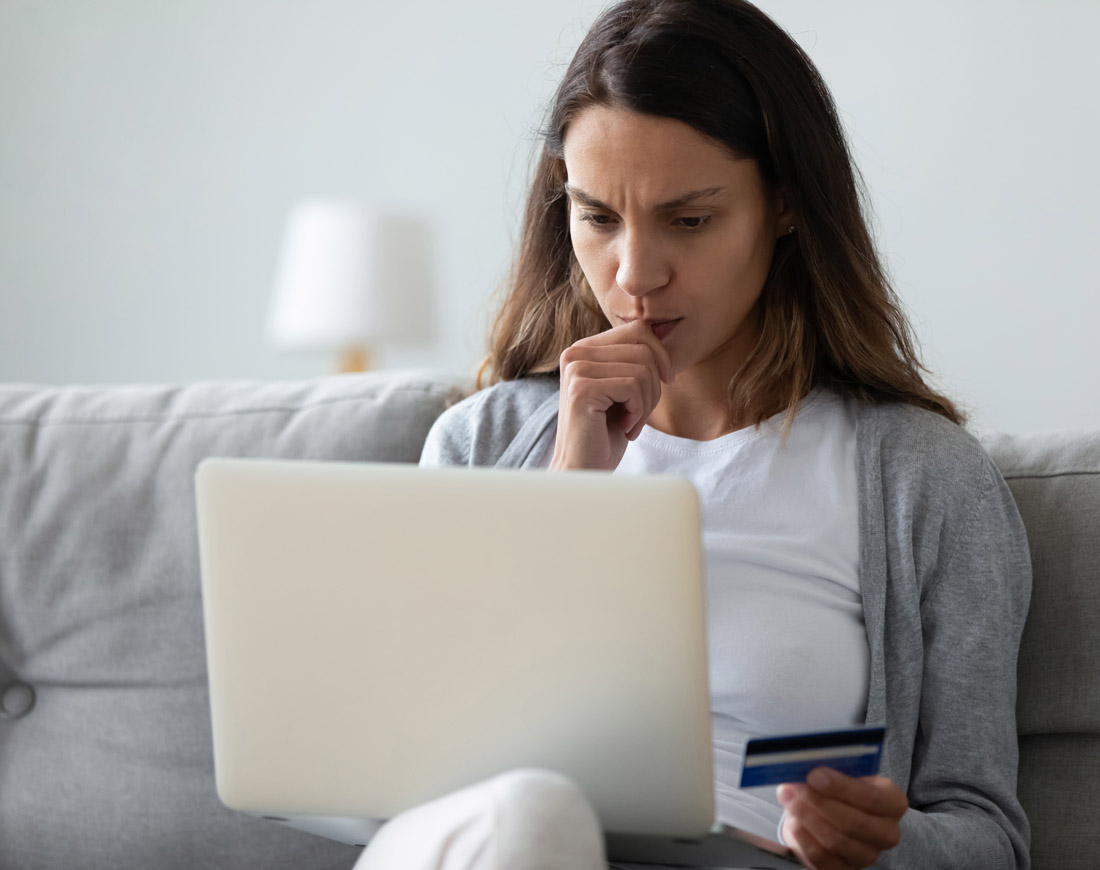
811	754
815	741
773	774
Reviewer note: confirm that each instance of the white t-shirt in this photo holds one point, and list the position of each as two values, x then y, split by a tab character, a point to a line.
787	644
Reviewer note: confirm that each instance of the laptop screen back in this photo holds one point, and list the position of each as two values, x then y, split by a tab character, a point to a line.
380	635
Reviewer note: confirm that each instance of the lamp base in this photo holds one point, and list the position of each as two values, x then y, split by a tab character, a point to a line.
353	359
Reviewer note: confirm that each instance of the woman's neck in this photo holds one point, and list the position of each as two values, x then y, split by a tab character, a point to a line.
688	410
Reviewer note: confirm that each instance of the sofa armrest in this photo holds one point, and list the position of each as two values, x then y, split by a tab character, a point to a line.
1055	479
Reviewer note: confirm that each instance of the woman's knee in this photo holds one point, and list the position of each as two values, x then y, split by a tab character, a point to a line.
525	819
543	818
538	787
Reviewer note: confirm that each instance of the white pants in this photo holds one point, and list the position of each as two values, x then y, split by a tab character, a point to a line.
522	820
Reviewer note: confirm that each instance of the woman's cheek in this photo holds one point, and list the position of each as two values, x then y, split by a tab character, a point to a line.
593	267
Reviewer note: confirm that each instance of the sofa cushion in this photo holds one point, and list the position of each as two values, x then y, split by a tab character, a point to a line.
105	752
1055	479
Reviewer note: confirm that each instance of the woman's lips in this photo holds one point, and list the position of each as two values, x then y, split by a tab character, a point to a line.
661	328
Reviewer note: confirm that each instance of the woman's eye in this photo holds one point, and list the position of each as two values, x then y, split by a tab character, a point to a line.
694	222
600	220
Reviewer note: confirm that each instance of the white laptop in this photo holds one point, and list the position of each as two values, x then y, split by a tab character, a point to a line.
380	635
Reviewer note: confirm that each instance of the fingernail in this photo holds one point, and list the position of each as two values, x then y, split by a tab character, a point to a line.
821	777
785	793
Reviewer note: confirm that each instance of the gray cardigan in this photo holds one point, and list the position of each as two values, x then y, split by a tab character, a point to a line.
946	581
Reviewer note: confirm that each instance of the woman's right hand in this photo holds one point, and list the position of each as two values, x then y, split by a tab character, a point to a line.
610	384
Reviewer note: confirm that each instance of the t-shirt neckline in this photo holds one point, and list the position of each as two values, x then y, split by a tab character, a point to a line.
772	425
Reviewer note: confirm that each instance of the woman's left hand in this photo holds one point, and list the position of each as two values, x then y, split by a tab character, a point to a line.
836	822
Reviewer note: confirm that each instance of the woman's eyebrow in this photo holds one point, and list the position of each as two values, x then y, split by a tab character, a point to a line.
575	193
689	197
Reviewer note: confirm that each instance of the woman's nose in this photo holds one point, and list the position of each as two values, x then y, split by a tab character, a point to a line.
642	267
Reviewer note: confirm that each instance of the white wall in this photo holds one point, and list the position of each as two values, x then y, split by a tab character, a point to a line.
150	151
977	126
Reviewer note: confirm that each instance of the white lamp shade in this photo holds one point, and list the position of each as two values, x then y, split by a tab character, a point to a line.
347	277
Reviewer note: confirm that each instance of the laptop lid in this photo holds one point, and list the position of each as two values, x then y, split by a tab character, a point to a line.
380	635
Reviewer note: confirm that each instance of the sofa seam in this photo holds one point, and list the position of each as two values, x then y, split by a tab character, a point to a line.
1049	474
207	415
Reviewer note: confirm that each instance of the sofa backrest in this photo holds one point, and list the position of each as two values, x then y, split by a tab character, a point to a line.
105	748
1055	480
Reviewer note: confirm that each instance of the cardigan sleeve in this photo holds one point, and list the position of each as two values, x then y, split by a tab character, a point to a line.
450	438
962	787
510	424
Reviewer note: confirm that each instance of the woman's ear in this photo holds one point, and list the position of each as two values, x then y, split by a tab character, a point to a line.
784	220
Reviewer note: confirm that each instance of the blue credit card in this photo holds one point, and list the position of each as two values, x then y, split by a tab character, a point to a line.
790	757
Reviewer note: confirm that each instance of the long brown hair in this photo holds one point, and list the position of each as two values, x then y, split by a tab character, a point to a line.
828	314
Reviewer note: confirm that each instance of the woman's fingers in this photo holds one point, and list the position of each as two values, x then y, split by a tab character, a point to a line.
627	351
610	384
836	818
596	412
596	386
638	334
812	853
639	352
821	844
877	796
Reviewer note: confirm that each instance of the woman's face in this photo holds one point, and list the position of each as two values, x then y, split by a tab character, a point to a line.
671	229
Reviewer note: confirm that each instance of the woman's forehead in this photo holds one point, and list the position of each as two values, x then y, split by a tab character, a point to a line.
611	151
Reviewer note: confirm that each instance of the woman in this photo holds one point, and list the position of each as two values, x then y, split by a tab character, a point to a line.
696	291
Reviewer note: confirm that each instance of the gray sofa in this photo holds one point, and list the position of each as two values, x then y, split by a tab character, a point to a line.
105	755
